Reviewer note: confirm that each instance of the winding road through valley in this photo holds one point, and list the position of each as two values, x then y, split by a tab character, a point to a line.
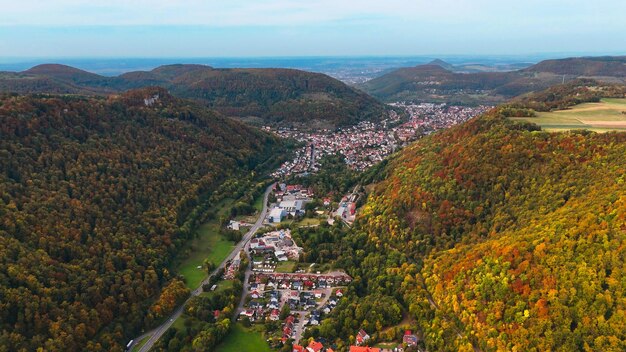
155	334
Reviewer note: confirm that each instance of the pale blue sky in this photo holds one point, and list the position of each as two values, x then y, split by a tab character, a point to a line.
196	28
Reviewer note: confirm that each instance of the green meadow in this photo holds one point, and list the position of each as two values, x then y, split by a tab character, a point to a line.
209	244
242	339
606	115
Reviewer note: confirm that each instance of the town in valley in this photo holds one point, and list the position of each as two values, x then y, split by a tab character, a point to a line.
368	143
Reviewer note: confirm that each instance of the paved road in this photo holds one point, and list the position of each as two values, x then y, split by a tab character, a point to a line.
245	292
300	326
155	334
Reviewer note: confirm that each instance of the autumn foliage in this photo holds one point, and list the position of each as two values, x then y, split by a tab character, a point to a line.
96	197
516	237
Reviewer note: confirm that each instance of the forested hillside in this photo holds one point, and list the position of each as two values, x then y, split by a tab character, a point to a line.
436	82
607	66
564	96
96	196
495	236
260	96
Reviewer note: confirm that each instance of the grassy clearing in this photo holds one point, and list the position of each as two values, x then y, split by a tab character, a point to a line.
140	344
209	244
241	339
258	207
309	222
607	115
285	267
221	286
258	202
179	324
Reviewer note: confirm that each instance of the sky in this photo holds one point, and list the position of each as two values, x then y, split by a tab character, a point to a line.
231	28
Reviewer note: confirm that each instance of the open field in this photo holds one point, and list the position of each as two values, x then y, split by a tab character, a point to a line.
241	339
604	116
208	245
258	202
221	286
309	222
285	267
138	346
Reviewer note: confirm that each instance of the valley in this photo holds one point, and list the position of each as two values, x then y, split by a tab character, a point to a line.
368	143
312	176
432	226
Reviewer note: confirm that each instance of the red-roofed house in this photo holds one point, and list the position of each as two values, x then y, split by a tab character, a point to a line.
409	338
364	349
361	337
298	348
315	346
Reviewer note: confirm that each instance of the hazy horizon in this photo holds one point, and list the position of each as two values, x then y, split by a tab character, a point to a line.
112	66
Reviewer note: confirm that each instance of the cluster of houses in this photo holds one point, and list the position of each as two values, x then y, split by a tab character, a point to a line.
347	208
314	346
429	117
269	248
301	281
317	346
367	143
298	301
362	146
290	201
266	295
305	159
263	305
408	340
309	297
233	268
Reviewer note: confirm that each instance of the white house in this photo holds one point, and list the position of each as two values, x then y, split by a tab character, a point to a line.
277	215
291	206
233	225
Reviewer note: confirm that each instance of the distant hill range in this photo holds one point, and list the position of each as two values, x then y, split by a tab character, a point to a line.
439	81
260	96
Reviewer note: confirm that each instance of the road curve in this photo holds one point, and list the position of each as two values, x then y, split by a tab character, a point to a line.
156	333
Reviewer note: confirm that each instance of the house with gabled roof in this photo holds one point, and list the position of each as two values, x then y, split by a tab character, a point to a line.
361	337
364	349
409	338
315	346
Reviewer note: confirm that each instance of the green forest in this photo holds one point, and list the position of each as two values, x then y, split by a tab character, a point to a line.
96	197
261	96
